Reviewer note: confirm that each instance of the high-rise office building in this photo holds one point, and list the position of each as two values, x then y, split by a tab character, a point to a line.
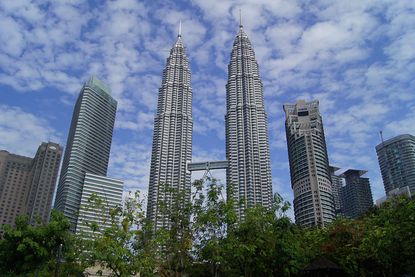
248	175
88	145
14	179
397	162
109	191
42	185
356	194
336	184
27	184
309	166
172	137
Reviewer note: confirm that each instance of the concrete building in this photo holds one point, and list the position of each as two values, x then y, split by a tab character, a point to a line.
356	194
336	185
42	185
248	175
396	158
172	137
109	191
27	184
14	180
309	166
88	145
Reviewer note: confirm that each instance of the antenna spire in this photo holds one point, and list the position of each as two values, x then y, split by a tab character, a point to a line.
240	18
180	29
381	135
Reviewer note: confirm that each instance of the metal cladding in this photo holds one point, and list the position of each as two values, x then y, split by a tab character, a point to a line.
396	158
88	145
172	137
248	174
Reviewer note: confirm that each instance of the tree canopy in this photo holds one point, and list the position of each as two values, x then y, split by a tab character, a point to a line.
206	239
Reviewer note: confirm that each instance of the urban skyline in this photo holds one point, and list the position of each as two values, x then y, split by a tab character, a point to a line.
304	52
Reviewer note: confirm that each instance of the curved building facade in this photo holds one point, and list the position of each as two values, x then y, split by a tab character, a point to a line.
397	162
248	174
309	167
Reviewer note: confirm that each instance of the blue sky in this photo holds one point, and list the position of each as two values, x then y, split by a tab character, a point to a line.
356	57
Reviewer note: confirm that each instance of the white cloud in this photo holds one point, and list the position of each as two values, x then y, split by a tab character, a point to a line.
22	132
356	57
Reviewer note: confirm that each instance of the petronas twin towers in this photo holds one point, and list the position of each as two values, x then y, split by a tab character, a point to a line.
248	173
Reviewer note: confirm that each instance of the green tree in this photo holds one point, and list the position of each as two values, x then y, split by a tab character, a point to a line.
122	247
265	243
388	247
174	242
212	216
26	250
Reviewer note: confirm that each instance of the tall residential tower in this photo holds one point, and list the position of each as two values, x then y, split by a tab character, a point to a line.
309	165
356	195
397	162
248	175
172	137
88	145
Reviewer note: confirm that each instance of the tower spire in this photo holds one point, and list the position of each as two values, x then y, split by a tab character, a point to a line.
180	29
240	18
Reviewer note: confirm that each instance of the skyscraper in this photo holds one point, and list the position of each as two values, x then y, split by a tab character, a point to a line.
356	195
88	145
397	162
337	183
27	185
172	137
248	175
309	166
44	172
14	179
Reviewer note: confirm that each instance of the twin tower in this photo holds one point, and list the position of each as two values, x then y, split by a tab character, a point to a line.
248	170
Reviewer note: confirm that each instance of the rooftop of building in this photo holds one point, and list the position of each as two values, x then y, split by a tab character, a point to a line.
350	172
394	140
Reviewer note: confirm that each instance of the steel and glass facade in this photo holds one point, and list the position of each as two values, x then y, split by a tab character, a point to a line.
248	175
172	138
88	145
109	192
397	162
309	166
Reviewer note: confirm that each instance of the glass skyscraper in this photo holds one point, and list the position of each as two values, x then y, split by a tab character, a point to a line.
88	145
248	175
172	137
397	162
309	165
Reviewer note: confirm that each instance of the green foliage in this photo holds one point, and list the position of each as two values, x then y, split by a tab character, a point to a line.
25	249
121	248
381	243
206	239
